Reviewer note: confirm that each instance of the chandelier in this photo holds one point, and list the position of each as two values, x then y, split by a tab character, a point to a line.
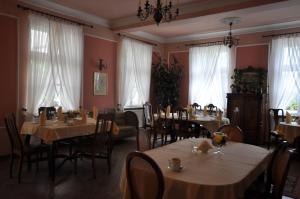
159	12
229	40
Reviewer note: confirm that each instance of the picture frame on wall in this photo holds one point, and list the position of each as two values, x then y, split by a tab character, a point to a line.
100	83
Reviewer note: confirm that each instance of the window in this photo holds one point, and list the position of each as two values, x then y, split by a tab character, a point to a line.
134	72
284	74
209	75
55	64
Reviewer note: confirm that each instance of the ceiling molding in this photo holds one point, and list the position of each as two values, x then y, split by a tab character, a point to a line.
192	10
54	7
210	35
149	36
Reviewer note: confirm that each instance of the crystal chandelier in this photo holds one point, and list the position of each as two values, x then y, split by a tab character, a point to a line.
229	40
159	12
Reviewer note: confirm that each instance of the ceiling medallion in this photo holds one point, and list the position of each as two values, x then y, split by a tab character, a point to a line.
165	12
230	40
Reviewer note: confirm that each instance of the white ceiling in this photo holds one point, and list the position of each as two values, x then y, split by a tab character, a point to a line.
278	15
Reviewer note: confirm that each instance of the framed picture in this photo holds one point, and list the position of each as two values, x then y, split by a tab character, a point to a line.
100	83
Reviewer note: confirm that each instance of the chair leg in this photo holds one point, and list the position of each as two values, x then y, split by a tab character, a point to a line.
93	165
11	165
37	162
154	140
20	169
75	163
109	163
29	163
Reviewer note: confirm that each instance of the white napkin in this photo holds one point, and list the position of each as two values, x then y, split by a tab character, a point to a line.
168	111
60	115
205	111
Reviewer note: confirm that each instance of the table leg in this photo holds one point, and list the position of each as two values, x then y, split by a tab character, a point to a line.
52	161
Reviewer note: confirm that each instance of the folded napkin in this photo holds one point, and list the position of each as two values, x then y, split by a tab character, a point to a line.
83	116
168	111
95	112
205	113
288	118
43	118
60	115
204	146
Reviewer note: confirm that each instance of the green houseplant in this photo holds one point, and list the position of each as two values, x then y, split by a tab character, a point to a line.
167	82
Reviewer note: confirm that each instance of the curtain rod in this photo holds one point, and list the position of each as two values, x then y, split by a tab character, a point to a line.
282	34
55	16
147	42
211	43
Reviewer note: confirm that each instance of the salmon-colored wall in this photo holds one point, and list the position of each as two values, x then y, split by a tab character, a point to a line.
94	49
256	56
8	74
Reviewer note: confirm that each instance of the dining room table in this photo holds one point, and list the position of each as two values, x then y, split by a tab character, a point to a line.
291	133
204	175
211	122
55	131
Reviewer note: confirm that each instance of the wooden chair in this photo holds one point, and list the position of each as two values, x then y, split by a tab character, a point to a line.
22	150
197	107
212	109
275	117
276	175
131	119
50	112
100	146
148	115
234	133
137	164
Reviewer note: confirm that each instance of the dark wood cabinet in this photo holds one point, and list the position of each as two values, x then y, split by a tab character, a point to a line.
248	112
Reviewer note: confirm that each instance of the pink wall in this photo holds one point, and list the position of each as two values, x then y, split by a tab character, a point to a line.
256	56
8	74
94	49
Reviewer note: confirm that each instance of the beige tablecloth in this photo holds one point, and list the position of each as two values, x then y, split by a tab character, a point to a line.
289	131
57	130
209	176
208	121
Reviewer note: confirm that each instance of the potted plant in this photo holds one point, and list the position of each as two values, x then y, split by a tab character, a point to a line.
166	82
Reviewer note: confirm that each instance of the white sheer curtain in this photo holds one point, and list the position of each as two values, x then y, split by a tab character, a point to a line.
134	72
210	70
54	65
284	72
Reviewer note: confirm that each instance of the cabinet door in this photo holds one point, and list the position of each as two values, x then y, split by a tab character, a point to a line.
252	119
235	110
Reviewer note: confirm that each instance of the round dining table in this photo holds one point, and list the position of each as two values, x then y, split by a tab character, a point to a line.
204	175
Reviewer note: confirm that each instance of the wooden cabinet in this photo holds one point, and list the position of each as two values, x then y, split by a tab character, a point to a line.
248	112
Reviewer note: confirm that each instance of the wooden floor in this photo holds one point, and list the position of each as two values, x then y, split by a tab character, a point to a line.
37	185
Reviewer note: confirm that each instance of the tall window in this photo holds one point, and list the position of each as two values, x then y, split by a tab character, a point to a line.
134	72
284	73
209	75
55	64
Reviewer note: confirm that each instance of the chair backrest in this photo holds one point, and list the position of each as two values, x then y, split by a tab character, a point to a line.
234	133
196	106
131	119
182	113
139	167
103	131
275	116
148	114
212	108
50	111
13	133
278	170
